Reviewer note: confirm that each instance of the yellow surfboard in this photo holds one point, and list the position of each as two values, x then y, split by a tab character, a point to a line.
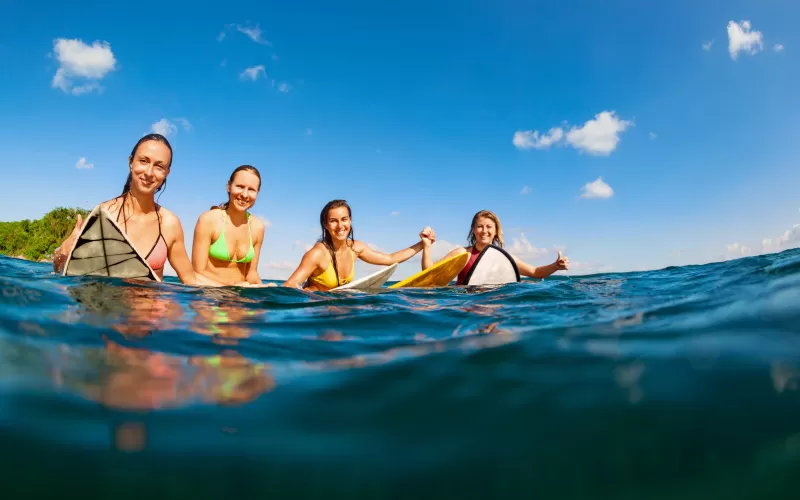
437	275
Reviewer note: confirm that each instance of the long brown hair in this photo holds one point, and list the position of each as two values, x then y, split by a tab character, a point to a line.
326	238
498	237
249	168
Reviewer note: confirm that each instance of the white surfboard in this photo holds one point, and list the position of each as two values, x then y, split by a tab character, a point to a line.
102	249
493	266
371	282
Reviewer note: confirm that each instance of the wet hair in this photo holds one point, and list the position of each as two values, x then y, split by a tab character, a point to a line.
248	168
127	188
326	238
498	237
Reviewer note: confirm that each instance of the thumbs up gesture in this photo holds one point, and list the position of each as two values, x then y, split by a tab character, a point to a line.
562	263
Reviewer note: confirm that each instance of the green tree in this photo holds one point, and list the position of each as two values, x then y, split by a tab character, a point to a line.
36	240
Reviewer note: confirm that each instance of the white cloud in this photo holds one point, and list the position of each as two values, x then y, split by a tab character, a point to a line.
395	213
789	239
79	61
82	163
183	122
167	128
778	47
284	87
577	267
267	223
598	136
597	189
707	45
253	73
530	139
309	131
301	244
525	190
254	32
652	135
524	249
742	39
737	250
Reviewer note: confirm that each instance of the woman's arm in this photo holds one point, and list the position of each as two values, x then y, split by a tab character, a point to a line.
252	267
428	263
310	262
525	269
61	252
176	250
371	256
203	232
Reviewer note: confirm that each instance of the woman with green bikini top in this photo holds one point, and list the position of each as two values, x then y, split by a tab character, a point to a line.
227	240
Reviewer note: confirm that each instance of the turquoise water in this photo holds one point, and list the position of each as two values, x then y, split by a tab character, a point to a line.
679	383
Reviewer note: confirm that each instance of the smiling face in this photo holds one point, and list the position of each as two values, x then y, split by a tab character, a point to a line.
243	190
484	231
149	166
337	223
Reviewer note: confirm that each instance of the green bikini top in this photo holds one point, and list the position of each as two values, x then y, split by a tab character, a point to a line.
219	249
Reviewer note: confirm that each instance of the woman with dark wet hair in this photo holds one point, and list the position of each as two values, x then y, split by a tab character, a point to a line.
149	226
331	261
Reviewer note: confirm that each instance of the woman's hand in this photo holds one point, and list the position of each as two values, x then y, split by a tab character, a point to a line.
427	236
562	263
60	253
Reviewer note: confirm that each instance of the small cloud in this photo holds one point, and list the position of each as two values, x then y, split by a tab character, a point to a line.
789	239
254	32
597	189
598	136
253	73
395	213
530	139
301	244
275	57
524	249
221	36
284	87
742	39
267	223
707	45
183	122
525	190
167	128
652	135
778	47
737	250
79	61
82	163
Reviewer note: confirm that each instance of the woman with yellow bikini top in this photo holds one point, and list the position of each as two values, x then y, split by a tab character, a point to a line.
227	240
331	262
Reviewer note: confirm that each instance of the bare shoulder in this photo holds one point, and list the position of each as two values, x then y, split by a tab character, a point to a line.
317	252
208	217
257	224
169	219
359	246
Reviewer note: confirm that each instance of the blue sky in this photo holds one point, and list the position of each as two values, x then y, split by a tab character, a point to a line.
633	136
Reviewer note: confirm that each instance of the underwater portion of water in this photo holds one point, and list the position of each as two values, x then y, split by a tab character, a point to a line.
679	383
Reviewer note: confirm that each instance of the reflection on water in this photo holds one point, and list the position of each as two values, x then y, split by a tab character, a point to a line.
681	383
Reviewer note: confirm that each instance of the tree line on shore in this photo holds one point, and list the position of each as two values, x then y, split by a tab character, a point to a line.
37	239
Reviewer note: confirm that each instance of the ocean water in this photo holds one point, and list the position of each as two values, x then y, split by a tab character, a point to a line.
681	383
